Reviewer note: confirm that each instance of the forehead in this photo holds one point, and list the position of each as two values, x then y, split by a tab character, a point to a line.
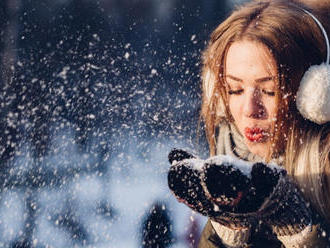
246	58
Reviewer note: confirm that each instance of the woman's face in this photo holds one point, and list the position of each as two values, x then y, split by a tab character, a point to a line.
251	76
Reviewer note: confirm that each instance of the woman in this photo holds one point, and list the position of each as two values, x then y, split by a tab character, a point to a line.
253	67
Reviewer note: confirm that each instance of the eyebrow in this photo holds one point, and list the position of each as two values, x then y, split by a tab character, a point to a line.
259	80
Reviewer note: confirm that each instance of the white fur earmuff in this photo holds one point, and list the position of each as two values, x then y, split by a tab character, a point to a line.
313	95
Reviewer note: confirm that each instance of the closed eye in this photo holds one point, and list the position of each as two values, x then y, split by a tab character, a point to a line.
269	93
235	92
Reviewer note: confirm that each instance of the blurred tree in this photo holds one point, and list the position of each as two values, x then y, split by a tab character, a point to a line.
24	240
9	134
9	10
156	228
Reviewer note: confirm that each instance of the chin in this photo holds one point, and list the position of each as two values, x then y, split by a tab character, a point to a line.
258	148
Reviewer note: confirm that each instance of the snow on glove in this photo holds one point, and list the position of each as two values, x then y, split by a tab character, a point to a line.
185	181
260	191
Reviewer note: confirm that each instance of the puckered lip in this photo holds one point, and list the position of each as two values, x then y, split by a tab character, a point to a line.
256	134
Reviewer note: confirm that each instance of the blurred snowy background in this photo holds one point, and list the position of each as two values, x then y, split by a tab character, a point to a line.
93	96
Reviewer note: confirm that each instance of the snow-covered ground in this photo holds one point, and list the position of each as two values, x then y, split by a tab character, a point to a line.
98	209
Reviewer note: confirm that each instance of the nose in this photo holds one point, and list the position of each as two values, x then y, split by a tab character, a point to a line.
253	105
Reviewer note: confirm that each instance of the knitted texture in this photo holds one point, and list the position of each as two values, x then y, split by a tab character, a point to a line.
267	195
232	238
234	195
297	240
285	210
184	180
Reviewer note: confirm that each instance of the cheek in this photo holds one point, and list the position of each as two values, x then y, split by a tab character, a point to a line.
235	109
271	108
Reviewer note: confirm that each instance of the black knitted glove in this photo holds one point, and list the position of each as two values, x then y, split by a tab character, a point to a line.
234	192
267	193
185	181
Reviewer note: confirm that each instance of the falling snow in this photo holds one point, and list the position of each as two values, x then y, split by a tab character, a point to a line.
93	97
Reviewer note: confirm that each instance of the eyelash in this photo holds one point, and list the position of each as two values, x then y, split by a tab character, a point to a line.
238	92
269	93
235	92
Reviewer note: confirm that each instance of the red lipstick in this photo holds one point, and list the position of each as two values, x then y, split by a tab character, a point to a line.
255	134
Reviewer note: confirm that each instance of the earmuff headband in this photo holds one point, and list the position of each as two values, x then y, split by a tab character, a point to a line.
323	31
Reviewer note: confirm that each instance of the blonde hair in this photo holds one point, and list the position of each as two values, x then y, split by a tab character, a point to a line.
307	160
296	43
